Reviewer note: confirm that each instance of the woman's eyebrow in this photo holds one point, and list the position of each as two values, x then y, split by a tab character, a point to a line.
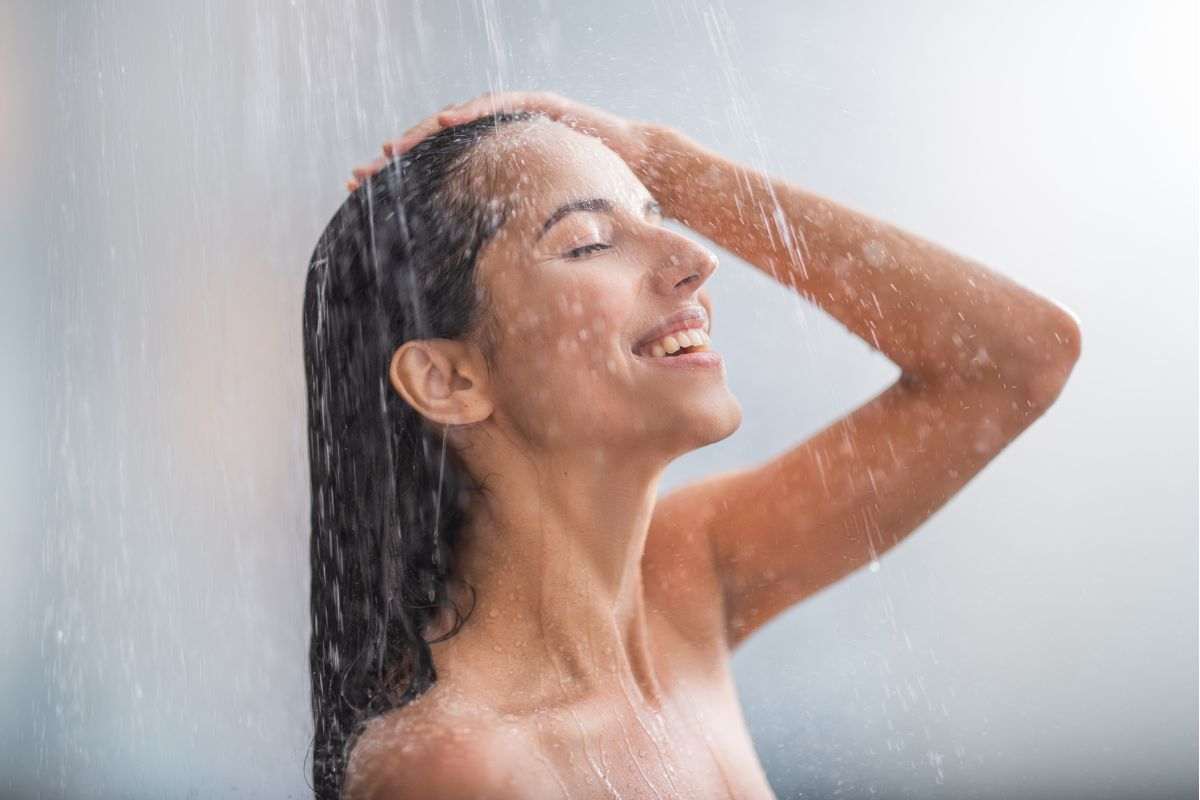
592	204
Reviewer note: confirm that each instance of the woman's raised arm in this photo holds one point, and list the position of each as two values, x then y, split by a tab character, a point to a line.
935	314
981	359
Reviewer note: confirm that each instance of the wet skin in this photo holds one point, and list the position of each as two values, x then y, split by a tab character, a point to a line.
681	736
596	663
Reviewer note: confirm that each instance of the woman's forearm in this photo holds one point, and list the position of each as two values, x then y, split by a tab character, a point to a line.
933	313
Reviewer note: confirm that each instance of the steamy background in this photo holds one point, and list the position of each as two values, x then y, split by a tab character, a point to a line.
167	167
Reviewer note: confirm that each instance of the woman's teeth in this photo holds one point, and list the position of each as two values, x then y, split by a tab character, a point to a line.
675	342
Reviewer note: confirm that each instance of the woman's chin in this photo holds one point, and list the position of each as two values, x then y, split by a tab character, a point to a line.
731	419
710	420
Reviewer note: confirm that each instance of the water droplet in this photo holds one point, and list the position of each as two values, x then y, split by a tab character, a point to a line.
875	253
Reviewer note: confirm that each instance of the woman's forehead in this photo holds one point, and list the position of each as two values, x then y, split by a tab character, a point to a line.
540	168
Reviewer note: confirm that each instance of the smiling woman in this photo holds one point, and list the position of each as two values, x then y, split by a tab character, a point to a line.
505	349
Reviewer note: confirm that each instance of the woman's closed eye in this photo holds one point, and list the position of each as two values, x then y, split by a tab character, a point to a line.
587	249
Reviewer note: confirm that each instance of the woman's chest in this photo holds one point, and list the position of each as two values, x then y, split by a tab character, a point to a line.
692	745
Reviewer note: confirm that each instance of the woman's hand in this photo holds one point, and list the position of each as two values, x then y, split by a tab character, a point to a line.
625	137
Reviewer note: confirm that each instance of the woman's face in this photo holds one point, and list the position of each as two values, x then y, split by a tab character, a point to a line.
580	273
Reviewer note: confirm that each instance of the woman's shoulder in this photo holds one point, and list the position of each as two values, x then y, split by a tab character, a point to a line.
435	747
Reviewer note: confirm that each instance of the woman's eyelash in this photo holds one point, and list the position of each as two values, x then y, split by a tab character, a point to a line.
588	248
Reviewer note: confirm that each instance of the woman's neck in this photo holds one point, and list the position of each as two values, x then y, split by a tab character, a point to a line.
554	553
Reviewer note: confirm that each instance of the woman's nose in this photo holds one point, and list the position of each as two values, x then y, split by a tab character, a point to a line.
685	264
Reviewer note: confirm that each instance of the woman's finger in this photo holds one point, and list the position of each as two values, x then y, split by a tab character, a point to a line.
365	171
414	135
505	102
460	113
554	106
482	106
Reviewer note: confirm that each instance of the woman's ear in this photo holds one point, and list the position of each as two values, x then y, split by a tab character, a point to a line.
443	379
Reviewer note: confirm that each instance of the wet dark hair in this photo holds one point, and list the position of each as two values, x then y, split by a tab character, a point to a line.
389	498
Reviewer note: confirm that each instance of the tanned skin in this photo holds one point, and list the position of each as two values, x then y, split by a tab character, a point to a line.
597	660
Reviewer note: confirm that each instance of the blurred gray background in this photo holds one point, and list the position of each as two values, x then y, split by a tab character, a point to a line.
165	169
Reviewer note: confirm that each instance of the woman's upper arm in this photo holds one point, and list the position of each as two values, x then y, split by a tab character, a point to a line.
783	530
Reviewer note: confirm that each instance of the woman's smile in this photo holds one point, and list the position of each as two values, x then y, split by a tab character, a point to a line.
697	360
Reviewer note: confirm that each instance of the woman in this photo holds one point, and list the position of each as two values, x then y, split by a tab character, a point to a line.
505	349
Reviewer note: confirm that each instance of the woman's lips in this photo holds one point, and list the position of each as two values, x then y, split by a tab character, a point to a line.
704	359
684	319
